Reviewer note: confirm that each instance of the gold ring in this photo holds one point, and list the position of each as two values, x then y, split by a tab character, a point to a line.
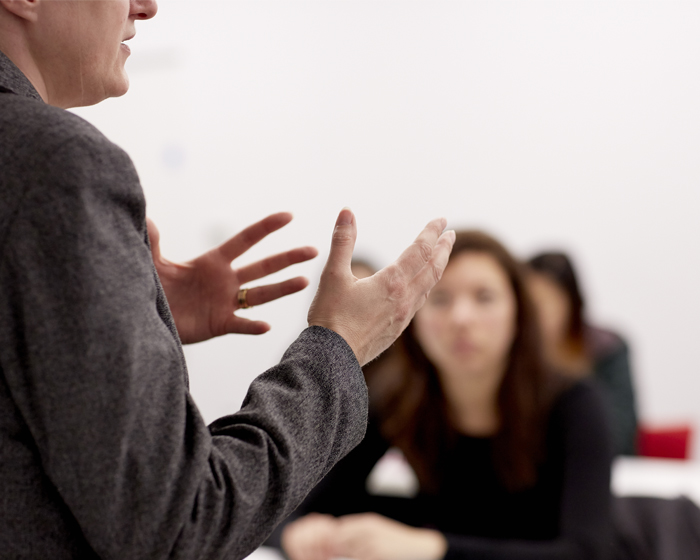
242	299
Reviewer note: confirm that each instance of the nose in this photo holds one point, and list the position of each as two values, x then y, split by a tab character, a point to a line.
143	9
462	312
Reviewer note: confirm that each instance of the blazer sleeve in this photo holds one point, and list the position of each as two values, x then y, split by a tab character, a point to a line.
98	377
343	491
585	519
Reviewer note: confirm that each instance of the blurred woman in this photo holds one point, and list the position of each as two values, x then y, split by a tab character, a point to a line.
580	350
512	462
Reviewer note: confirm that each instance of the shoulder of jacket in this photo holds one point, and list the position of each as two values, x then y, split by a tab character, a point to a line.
31	126
603	343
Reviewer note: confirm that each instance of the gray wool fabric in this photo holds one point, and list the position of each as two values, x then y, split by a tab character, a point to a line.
103	453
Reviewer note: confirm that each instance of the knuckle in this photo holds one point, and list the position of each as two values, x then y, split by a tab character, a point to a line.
396	286
403	312
425	250
437	273
341	237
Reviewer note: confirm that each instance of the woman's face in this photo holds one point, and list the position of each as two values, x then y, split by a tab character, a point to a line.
468	324
553	308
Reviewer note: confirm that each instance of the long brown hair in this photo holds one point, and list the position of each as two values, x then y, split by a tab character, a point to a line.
557	266
412	410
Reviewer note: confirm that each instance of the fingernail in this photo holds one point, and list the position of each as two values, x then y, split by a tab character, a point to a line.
345	217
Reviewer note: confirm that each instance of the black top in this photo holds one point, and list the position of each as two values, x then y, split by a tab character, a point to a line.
565	515
612	370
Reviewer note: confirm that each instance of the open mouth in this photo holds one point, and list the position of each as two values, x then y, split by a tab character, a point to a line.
125	46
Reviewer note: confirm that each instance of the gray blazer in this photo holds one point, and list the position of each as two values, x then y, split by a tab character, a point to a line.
103	453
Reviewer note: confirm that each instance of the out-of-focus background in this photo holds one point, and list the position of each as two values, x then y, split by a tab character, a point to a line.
565	125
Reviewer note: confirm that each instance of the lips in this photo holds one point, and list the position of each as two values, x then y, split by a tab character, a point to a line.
125	46
463	347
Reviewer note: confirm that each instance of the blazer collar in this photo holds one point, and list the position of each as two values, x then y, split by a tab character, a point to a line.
13	81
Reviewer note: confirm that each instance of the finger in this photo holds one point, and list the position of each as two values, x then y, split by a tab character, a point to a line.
263	294
275	263
251	235
240	325
431	273
421	250
342	243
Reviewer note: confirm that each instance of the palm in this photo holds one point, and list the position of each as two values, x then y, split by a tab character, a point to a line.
202	293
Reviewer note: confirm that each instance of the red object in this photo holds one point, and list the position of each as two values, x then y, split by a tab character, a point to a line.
670	442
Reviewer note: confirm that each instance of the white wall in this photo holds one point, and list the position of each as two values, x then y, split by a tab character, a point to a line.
550	124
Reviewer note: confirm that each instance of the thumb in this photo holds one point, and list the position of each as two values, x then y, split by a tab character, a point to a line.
343	242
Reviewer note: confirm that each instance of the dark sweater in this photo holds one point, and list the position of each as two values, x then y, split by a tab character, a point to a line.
103	452
566	515
612	369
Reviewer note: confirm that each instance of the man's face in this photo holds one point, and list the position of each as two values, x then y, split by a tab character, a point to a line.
81	54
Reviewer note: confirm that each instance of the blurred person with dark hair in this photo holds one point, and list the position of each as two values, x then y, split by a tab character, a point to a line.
512	461
580	350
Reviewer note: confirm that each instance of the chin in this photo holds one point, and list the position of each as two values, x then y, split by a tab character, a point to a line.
121	91
115	84
121	85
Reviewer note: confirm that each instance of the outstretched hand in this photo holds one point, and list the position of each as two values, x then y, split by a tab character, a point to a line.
203	293
371	313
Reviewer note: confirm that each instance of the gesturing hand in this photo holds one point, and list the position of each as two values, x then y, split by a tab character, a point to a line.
203	293
371	313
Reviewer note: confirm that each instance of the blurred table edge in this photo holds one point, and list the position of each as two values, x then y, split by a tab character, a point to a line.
631	476
664	478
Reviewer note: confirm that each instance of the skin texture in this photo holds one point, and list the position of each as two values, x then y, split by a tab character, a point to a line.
71	50
371	313
361	271
203	293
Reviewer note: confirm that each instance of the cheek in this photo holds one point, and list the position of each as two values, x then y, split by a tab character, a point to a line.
502	329
553	320
427	327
